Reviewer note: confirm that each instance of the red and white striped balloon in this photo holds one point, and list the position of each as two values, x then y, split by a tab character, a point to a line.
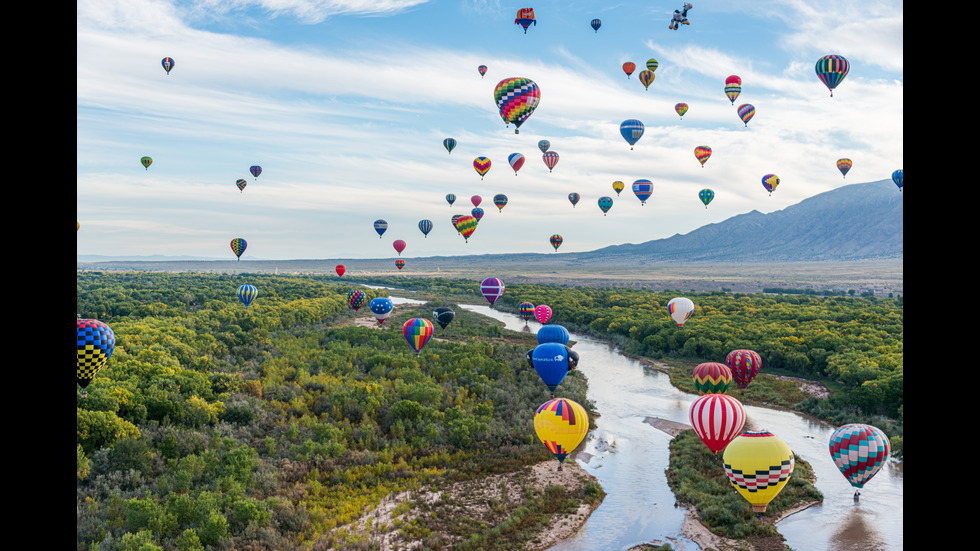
718	419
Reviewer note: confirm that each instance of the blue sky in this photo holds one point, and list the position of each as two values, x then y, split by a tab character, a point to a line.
345	105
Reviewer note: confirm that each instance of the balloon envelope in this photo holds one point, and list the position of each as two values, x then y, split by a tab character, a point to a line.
399	263
525	310
341	269
628	68
238	246
897	178
544	145
255	170
717	418
712	378
482	69
631	130
561	424
482	166
466	225
573	198
681	309
417	332
551	362
844	165
146	162
500	201
759	465
381	307
516	99
380	226
553	333
831	70
516	161
425	226
247	293
706	195
241	183
681	108
555	241
542	313
596	23
618	186
492	288
168	64
399	246
443	316
745	112
643	189
770	181
605	203
646	78
450	198
355	299
94	343
550	159
859	451
744	364
449	144
702	153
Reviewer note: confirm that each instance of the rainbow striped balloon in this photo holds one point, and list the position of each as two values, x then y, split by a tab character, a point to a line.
417	332
526	311
745	365
843	165
238	247
745	112
712	378
702	153
859	451
831	70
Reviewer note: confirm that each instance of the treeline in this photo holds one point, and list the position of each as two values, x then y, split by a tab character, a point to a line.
219	426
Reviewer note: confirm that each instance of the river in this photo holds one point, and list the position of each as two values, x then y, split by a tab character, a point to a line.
629	458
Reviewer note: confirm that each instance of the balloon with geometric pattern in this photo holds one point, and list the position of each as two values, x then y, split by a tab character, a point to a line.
712	378
399	263
706	195
542	313
605	203
450	198
733	86
681	108
652	64
238	246
744	364
859	451
516	98
717	418
500	201
247	293
425	226
831	70
646	78
466	225
758	464
355	299
745	112
702	153
255	170
146	162
417	332
544	145
482	165
550	159
843	165
241	183
94	343
492	289
526	311
561	424
168	64
770	181
618	186
555	241
573	198
477	213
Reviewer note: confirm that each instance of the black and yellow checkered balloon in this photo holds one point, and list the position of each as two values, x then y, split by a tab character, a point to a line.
96	342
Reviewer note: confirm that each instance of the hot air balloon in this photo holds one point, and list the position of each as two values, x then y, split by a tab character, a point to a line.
596	23
526	311
652	64
744	364
553	333
681	108
466	225
492	288
241	183
628	68
516	161
381	307
516	99
525	17
618	187
681	309
238	247
482	69
355	298
844	165
450	198
380	226
555	241
605	203
561	424
341	270
759	465
146	162
449	144
706	195
482	166
550	159
717	418
417	332
399	246
897	178
712	378
859	451
542	313
94	344
702	153
168	64
544	145
733	86
399	263
573	198
255	170
745	112
831	70
770	181
643	189
500	200
646	78
632	131
477	213
550	360
443	316
425	226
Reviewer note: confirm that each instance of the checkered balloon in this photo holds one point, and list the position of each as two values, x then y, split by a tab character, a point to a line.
95	343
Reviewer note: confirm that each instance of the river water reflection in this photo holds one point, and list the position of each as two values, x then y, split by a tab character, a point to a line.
629	458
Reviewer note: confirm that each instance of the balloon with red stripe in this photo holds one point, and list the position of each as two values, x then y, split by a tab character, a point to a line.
745	364
717	418
561	424
492	288
859	451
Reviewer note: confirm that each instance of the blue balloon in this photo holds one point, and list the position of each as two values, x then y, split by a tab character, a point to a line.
425	226
552	333
380	226
550	360
631	130
381	305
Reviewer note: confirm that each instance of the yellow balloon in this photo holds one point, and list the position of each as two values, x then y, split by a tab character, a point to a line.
561	424
759	465
618	186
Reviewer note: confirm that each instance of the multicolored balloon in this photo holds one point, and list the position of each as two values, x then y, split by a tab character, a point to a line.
628	68
466	225
482	166
94	343
417	332
897	178
759	464
745	112
681	108
425	226
168	64
380	226
146	162
681	309
500	201
544	145
717	418
355	299
449	144
516	161
555	241
744	365
596	23
733	86
831	70
482	69
652	64
399	246
844	165
605	203
241	183
618	187
450	198
542	313
443	315
477	213
550	360
561	424
525	17
381	307
646	78
859	451
702	153
770	181
492	289
238	247
573	198
255	170
526	311
399	263
712	378
631	130
706	195
550	159
643	189
341	270
516	99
